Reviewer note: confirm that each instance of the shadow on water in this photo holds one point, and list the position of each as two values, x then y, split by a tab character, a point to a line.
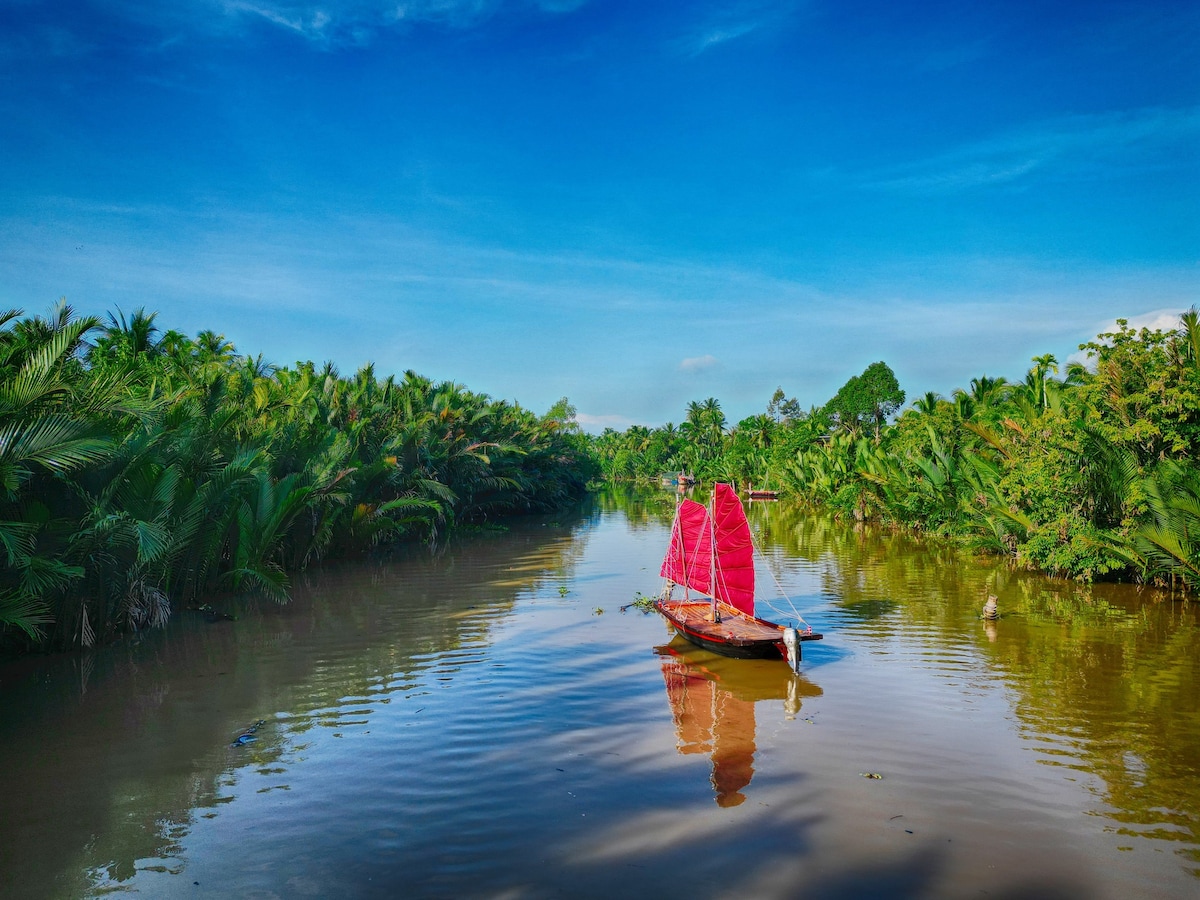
916	876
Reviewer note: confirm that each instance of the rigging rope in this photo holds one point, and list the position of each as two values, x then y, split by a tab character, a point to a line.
778	587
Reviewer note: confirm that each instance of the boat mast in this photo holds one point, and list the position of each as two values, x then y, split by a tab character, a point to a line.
677	529
712	557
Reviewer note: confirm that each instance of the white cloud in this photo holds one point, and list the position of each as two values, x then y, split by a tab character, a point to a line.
699	363
1155	320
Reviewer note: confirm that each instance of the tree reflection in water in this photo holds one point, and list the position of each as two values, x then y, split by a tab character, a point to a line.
712	702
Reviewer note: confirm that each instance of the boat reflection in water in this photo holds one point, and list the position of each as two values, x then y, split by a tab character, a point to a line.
712	702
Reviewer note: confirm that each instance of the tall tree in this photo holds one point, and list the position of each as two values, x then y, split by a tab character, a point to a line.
872	397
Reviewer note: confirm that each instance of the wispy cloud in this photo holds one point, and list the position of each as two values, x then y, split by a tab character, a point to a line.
597	423
1083	146
356	21
715	36
733	23
324	23
699	363
352	289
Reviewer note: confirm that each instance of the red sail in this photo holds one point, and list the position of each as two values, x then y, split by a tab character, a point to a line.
689	557
735	550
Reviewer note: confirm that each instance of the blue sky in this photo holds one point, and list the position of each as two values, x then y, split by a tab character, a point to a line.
633	204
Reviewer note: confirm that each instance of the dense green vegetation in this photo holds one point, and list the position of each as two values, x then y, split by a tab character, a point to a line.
1086	473
143	470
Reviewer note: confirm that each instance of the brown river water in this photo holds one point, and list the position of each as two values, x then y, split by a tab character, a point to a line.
486	722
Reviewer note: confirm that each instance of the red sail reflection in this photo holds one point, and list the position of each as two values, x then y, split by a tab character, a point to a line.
712	702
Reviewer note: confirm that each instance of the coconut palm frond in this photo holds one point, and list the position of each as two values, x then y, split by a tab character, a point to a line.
25	613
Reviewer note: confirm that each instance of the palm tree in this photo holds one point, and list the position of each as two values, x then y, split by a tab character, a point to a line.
1169	544
987	391
928	404
1042	365
759	430
964	406
127	340
1185	345
714	418
213	347
268	541
50	427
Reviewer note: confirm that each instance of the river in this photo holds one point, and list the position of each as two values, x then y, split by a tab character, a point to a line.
486	721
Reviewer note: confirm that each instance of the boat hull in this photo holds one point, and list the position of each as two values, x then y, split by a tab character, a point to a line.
755	650
736	634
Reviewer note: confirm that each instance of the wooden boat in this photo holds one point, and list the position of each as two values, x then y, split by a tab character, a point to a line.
761	494
711	552
679	480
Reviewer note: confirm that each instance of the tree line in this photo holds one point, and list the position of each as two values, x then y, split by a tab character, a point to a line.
142	471
1086	472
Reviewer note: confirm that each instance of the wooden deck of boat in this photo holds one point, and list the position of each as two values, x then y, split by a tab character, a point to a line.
734	625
